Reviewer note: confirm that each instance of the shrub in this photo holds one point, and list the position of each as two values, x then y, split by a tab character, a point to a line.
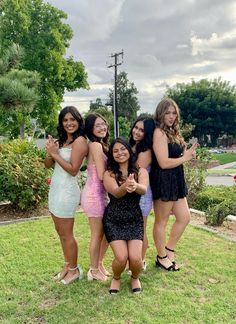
217	202
195	175
22	174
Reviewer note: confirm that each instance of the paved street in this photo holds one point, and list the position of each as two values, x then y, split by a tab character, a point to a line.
219	180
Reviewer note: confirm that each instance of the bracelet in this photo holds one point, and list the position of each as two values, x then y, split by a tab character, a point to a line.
49	156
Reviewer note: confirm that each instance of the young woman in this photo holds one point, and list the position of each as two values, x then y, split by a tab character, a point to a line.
167	181
140	139
66	155
94	197
123	221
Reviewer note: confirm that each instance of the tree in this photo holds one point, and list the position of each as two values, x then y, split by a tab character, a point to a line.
209	105
96	105
39	28
18	92
127	101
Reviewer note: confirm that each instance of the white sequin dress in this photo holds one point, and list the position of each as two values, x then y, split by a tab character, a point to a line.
64	192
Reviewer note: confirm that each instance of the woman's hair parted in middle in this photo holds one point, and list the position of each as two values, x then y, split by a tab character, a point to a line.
173	133
62	135
114	166
89	128
147	141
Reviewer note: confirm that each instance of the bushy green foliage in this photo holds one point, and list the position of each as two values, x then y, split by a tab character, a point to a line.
217	202
22	174
195	175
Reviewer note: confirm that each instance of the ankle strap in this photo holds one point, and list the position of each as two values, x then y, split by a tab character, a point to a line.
134	277
72	269
169	249
116	278
159	257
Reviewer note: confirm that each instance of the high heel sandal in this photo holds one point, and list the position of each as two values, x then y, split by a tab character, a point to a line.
95	276
103	270
173	262
158	264
58	276
137	289
75	277
114	291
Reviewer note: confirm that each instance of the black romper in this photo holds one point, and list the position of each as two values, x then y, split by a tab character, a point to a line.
123	218
168	184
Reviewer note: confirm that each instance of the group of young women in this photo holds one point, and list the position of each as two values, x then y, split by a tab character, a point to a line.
155	150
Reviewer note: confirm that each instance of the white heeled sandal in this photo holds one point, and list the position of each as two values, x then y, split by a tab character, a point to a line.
75	277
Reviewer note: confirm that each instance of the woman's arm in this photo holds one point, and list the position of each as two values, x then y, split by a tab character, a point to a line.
160	148
112	187
144	159
98	157
139	186
79	151
49	162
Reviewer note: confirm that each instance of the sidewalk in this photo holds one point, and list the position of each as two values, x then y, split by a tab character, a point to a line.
225	166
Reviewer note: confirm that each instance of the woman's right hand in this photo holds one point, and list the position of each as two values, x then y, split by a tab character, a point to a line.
190	153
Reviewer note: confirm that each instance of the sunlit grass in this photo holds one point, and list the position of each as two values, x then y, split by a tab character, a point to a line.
202	292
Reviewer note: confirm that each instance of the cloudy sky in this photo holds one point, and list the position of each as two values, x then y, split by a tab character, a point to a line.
164	42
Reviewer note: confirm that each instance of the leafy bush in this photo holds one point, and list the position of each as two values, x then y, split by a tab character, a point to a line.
195	175
217	202
22	174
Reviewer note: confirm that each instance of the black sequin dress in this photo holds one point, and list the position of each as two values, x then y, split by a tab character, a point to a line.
123	218
168	184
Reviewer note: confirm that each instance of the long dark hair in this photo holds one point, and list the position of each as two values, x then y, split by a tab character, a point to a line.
114	166
147	141
62	134
89	125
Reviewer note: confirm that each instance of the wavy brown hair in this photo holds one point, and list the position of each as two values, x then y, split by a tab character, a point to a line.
173	133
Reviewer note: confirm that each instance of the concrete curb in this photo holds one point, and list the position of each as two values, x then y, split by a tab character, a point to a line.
200	213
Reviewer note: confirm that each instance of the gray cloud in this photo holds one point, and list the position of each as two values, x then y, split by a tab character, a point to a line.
164	42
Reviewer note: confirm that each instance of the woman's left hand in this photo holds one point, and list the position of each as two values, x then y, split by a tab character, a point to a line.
51	146
131	184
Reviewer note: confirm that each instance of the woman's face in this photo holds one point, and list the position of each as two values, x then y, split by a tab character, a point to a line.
100	128
70	124
120	153
138	131
170	116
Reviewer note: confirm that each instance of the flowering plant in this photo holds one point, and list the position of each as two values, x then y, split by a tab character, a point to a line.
48	181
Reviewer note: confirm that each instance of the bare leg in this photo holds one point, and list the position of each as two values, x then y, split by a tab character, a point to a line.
103	248
135	262
162	211
120	250
182	215
96	229
145	239
64	227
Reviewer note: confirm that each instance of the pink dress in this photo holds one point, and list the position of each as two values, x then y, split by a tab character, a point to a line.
93	197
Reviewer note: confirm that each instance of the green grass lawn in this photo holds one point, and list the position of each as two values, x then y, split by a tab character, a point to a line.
224	157
203	291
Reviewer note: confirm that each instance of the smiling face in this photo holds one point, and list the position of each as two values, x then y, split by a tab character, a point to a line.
100	128
170	116
120	153
70	124
138	131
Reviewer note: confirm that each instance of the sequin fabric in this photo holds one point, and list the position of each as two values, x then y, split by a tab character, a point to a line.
64	192
168	184
123	218
146	200
93	196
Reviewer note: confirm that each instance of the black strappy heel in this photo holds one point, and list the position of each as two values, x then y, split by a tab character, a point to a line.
158	264
114	291
173	262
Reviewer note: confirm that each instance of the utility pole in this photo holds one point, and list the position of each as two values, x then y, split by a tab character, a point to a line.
115	107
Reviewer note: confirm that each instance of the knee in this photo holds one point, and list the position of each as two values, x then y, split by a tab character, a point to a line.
135	260
122	259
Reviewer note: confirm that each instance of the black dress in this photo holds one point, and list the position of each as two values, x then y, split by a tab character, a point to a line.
168	184
123	218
